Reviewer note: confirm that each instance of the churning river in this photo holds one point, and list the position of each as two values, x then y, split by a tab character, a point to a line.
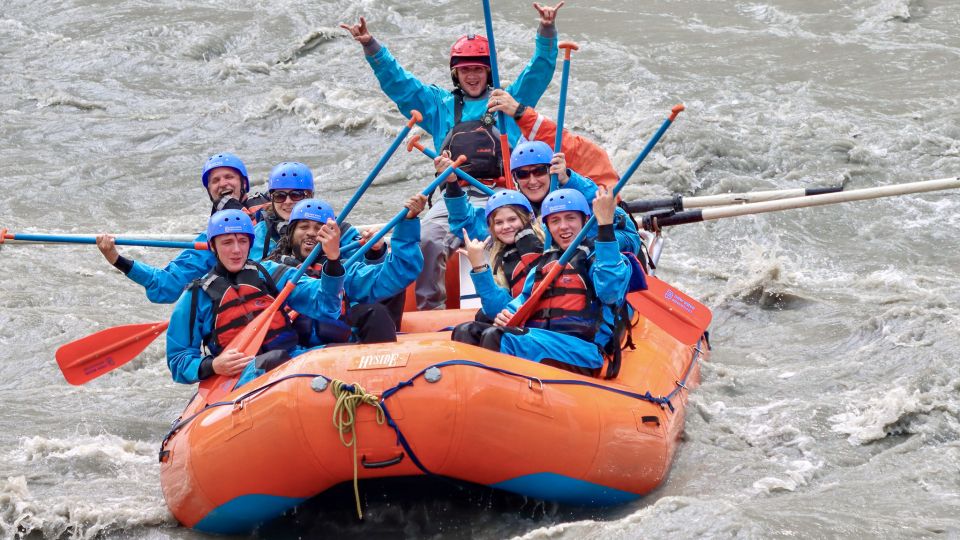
830	407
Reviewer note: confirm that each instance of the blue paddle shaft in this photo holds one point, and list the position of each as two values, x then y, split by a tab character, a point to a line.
561	110
571	249
464	175
93	240
393	222
373	174
494	70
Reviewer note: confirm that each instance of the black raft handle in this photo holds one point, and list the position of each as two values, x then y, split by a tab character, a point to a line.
381	464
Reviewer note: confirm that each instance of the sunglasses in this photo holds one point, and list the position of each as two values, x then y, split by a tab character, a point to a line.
295	195
523	174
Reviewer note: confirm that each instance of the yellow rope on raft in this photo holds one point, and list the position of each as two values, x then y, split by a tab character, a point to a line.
349	397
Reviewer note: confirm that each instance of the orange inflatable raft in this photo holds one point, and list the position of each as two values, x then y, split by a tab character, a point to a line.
449	409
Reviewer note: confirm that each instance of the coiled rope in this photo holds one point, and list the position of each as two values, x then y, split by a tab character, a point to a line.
349	397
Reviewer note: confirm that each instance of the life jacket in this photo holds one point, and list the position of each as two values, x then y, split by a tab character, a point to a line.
236	304
569	305
479	141
517	260
275	229
325	331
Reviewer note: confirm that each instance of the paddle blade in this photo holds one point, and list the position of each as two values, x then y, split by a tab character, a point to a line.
88	358
248	341
672	310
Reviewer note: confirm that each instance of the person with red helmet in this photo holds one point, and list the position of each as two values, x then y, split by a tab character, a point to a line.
460	122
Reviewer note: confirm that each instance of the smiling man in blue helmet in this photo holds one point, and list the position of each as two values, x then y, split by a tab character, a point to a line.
575	319
215	308
227	184
460	123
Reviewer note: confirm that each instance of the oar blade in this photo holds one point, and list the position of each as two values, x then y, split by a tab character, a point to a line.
89	357
672	310
248	341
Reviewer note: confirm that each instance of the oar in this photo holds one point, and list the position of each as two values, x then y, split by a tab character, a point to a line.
249	340
520	317
414	142
654	222
568	47
60	239
437	182
89	357
495	75
415	117
679	203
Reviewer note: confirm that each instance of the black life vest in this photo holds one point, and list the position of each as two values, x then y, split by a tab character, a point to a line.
236	303
478	140
517	260
570	305
275	229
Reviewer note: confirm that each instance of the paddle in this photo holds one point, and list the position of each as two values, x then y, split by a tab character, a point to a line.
652	223
415	143
249	340
415	117
520	317
568	47
106	350
58	239
680	203
439	180
671	309
495	75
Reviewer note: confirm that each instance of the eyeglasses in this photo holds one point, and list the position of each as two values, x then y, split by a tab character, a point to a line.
523	174
295	195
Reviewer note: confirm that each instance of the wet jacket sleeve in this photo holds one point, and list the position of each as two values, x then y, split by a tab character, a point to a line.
581	153
165	285
367	283
184	352
315	298
493	298
260	237
348	237
533	81
626	232
463	215
409	93
610	273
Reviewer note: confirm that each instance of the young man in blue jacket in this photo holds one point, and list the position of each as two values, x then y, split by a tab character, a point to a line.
574	319
216	308
460	123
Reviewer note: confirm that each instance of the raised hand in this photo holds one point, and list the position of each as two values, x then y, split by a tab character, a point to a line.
501	101
360	32
475	250
548	15
329	237
415	205
441	162
107	245
604	205
367	234
558	166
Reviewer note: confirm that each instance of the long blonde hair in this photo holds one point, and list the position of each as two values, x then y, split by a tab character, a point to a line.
497	247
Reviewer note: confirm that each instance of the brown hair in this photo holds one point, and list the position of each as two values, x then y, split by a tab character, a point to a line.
497	247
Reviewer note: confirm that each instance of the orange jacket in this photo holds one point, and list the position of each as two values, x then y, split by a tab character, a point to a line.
582	155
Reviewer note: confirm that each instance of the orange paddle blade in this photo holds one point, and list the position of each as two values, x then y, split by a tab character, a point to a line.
248	341
672	310
88	358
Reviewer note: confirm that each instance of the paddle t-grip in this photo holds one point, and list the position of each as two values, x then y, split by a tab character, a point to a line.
415	118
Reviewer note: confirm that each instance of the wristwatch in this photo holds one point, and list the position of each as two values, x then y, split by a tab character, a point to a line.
520	110
481	268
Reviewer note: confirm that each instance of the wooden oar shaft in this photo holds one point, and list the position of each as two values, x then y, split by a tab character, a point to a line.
708	214
679	203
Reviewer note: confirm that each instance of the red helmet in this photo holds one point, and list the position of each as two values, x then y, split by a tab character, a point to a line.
470	50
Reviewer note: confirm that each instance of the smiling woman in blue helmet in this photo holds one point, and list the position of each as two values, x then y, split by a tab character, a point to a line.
215	308
574	320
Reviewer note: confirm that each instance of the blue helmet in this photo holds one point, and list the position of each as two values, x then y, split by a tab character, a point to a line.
229	222
530	153
291	175
225	159
564	200
506	198
314	210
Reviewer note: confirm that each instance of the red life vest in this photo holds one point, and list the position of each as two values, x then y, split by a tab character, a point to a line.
569	305
517	260
237	303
